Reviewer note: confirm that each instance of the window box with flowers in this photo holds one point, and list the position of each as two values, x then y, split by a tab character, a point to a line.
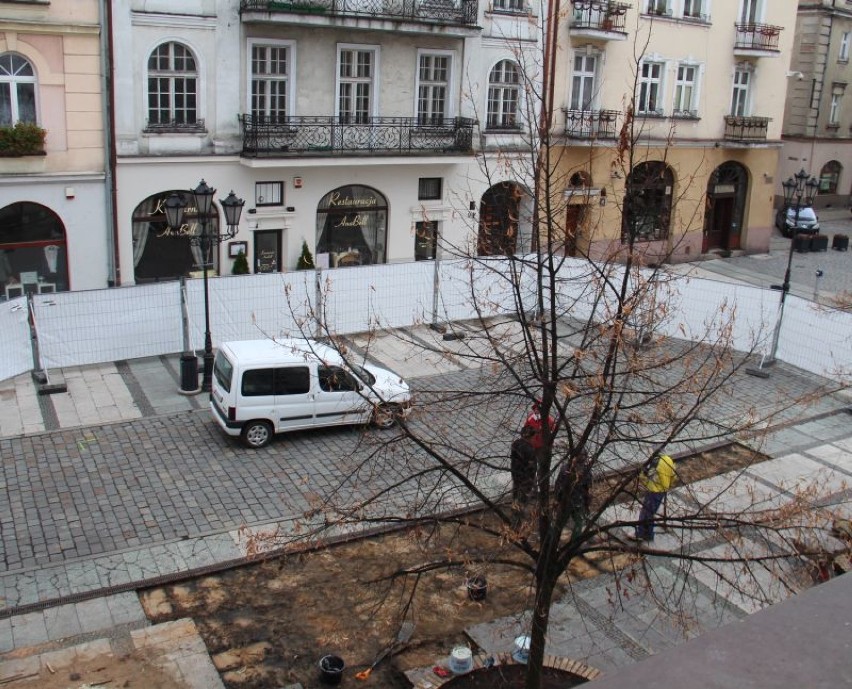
24	139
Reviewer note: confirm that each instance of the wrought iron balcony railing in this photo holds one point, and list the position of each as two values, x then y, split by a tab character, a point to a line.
739	128
296	136
590	124
757	37
599	15
460	12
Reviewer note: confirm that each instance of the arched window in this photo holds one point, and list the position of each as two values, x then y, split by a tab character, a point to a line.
352	226
500	220
647	203
17	90
504	90
173	89
33	256
829	176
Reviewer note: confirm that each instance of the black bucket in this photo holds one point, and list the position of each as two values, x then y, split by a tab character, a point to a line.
477	587
331	669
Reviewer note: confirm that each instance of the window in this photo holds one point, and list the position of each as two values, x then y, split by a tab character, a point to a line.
172	88
356	71
17	90
650	88
647	203
685	91
829	177
433	87
843	56
335	379
268	193
425	240
658	7
258	382
352	226
740	95
509	6
503	95
290	380
270	71
693	9
834	111
583	82
429	188
750	12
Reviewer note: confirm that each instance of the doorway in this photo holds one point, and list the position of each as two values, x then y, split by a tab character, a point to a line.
267	251
725	208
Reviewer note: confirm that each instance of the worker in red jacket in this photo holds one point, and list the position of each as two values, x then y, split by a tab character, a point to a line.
534	425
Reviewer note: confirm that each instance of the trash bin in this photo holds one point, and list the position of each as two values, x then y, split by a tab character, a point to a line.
819	242
188	372
802	243
840	242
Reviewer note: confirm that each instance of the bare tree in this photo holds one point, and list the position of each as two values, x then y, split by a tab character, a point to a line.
578	338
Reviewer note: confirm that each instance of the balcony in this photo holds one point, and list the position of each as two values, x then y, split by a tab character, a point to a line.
333	136
746	129
599	19
757	40
448	13
590	124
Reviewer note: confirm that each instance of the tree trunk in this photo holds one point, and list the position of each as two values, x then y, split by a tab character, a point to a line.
546	579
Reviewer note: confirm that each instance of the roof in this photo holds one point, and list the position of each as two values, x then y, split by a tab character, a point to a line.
269	351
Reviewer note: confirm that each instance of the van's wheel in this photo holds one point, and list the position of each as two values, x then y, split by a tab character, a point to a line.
256	434
384	415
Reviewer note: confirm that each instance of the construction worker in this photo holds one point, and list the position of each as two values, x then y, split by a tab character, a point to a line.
656	481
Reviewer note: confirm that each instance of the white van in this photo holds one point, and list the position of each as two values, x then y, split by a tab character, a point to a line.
263	387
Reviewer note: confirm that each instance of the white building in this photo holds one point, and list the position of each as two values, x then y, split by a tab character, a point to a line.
350	125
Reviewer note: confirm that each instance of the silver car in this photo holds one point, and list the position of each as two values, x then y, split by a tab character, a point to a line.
807	222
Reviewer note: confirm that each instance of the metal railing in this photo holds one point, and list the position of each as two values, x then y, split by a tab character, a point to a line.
461	12
174	126
739	128
599	14
590	124
757	37
334	135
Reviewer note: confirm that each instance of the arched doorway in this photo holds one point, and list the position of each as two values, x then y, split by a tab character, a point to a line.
503	223
33	252
725	207
161	253
578	203
648	198
352	226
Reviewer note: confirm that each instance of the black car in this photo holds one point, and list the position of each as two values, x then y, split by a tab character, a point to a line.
785	221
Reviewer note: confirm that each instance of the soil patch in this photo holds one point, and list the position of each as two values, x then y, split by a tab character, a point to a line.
268	624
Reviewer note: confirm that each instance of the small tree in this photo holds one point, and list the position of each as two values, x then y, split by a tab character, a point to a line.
306	260
241	266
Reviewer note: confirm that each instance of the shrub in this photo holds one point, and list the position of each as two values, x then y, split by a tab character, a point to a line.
241	266
306	260
24	139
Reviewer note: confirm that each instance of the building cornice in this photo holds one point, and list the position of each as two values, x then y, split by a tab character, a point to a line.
173	21
45	27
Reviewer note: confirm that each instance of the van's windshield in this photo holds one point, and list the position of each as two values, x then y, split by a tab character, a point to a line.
364	374
223	370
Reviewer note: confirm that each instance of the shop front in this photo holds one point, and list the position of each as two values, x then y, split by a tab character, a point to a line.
352	226
33	252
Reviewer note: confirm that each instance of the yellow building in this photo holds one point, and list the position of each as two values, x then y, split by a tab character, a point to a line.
706	83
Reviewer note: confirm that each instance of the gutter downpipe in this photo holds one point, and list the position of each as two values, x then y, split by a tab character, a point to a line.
108	106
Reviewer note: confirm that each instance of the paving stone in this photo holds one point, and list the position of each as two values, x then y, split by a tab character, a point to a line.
125	608
61	621
29	629
94	615
7	643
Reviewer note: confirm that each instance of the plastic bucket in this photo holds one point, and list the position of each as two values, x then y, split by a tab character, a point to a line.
521	654
461	660
331	669
477	587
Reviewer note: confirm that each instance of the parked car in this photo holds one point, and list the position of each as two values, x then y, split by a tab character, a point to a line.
263	387
785	221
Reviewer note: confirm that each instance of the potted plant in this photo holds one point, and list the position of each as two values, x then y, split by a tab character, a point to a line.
241	266
24	139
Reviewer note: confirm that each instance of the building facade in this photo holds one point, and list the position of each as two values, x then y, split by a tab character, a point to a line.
55	227
706	83
346	125
818	118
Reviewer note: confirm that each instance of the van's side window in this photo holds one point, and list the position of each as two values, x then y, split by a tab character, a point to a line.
257	382
335	379
292	380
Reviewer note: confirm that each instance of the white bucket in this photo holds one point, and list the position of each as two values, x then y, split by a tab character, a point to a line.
521	654
461	660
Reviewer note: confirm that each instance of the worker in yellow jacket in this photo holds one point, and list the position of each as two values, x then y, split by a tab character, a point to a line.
656	481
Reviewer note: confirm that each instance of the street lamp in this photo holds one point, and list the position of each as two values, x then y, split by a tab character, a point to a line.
799	192
232	206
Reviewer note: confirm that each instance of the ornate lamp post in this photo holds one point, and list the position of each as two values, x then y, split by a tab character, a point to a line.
232	206
799	192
